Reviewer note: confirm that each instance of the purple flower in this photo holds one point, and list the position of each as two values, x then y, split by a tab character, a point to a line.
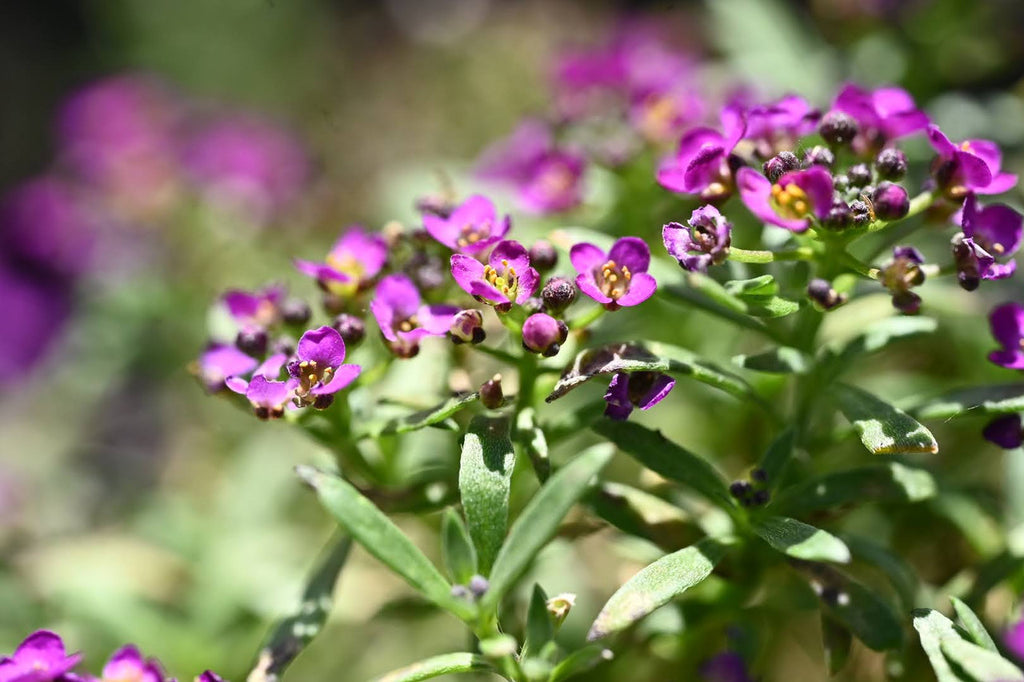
639	389
472	226
318	368
220	362
795	199
882	115
248	164
662	115
209	676
901	275
40	658
988	232
703	242
971	166
1013	638
544	334
267	396
778	126
701	165
36	312
260	309
506	280
128	665
512	159
1007	322
1006	431
618	278
404	319
352	263
727	666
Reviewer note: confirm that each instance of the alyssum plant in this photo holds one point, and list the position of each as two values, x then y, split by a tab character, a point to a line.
824	191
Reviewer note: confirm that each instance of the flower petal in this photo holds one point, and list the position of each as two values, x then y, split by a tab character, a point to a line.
641	288
661	387
323	345
467	271
343	376
1007	323
631	252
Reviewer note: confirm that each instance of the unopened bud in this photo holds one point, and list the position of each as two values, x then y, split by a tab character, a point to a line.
560	605
558	294
252	340
544	334
837	128
891	164
283	344
821	292
859	175
860	213
907	302
478	585
890	201
295	311
467	327
543	256
351	328
323	401
781	163
491	394
819	156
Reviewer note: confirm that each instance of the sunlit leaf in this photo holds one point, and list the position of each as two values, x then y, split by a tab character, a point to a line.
764	285
973	402
445	664
801	541
485	478
417	420
932	627
980	663
781	360
891	482
973	625
883	429
457	548
770	306
640	513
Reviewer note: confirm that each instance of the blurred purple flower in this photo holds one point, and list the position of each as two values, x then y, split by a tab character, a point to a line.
727	666
261	309
127	664
778	126
882	115
219	362
352	263
40	658
971	166
1007	324
472	226
209	676
702	242
404	319
507	279
639	389
1013	638
792	202
617	278
988	232
318	368
701	164
36	311
1006	431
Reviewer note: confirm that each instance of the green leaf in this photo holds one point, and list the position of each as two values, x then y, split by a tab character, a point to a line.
531	437
782	360
932	627
445	664
758	286
861	610
704	293
891	482
380	537
971	519
539	627
664	457
687	363
775	460
973	625
291	635
540	519
644	515
836	640
978	662
417	420
457	548
581	661
655	585
485	478
880	334
973	402
902	576
883	429
801	541
770	306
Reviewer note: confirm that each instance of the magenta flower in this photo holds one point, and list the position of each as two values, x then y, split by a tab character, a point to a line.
209	676
727	666
318	370
472	226
128	664
639	389
988	232
36	312
703	242
404	319
617	278
352	263
971	166
791	202
267	396
40	658
882	115
261	309
544	334
701	165
220	362
1013	638
778	126
1007	323
507	279
662	115
1006	431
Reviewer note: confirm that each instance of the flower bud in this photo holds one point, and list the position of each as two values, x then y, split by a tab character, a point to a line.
781	163
544	334
351	328
890	201
283	344
532	305
891	164
252	340
543	256
819	156
860	213
558	294
741	490
907	302
491	394
468	327
295	311
323	401
560	605
859	175
478	585
837	128
839	216
821	292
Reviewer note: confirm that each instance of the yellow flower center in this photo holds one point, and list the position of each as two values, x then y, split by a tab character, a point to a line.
408	324
505	280
348	265
471	234
657	117
311	373
790	201
613	279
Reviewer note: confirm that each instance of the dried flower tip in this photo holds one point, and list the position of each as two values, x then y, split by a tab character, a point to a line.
491	394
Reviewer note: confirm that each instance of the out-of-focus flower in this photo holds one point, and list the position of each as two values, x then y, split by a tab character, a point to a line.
249	164
127	664
890	201
39	658
507	279
404	319
472	226
1013	638
973	166
318	368
662	115
988	232
900	275
544	334
792	201
210	676
727	666
35	314
1007	323
260	309
351	264
701	164
639	389
617	278
703	241
221	361
1006	431
882	115
778	126
822	292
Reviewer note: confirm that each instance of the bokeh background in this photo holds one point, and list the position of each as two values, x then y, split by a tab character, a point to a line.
135	508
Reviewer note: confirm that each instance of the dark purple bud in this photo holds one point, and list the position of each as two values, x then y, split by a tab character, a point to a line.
781	163
821	292
427	271
558	294
296	312
890	201
283	344
543	256
491	394
323	401
478	585
467	327
351	328
859	175
860	213
532	305
907	302
819	156
544	334
760	498
900	275
839	216
841	182
741	490
837	128
434	205
252	341
891	164
1006	431
759	475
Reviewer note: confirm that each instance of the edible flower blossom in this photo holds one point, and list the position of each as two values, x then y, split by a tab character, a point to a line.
727	666
702	242
792	201
220	362
507	279
127	665
1013	638
882	115
971	166
701	164
318	370
662	115
778	126
472	226
404	319
1006	431
639	389
39	658
988	232
209	676
617	278
256	309
351	264
267	396
1007	323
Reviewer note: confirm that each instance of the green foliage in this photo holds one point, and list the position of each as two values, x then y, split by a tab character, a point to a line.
485	477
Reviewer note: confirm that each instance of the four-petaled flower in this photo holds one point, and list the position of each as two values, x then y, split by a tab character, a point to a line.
882	115
776	127
701	165
267	396
988	232
352	263
971	166
472	226
40	658
505	280
127	665
791	202
639	389
404	319
257	309
1007	322
221	361
318	370
617	278
703	241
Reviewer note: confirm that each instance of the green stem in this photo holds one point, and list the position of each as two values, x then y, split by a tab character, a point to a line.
587	318
527	382
858	266
507	358
751	256
918	204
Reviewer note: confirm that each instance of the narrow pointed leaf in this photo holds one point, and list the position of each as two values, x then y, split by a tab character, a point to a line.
581	661
859	609
781	360
972	402
902	576
457	548
891	482
540	519
540	629
664	457
880	334
836	640
445	664
764	285
655	586
485	478
801	541
534	442
932	627
973	625
883	429
372	529
644	515
417	420
770	306
981	664
775	460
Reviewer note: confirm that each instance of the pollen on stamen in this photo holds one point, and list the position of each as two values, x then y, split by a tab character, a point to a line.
998	248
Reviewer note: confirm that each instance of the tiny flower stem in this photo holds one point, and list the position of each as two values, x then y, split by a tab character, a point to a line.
507	358
752	256
858	266
587	318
